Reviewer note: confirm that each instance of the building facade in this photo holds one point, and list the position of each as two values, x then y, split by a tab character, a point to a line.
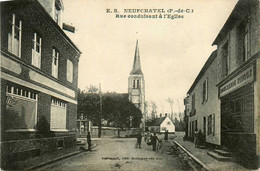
39	78
203	108
160	125
238	81
136	84
229	113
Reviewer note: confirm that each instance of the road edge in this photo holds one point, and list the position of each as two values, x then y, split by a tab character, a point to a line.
193	157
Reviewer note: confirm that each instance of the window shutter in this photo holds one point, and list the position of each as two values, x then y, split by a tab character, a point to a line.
213	124
58	117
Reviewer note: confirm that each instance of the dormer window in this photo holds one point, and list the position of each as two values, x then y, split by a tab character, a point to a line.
57	13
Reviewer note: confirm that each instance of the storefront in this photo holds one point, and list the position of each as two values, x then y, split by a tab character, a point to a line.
237	112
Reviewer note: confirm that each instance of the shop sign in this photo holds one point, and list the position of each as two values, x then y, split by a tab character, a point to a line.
240	80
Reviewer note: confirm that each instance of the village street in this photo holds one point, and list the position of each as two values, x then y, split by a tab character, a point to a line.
121	154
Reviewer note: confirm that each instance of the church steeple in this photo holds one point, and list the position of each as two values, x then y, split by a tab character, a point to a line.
136	70
136	85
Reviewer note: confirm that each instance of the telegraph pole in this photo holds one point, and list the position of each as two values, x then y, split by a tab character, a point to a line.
100	102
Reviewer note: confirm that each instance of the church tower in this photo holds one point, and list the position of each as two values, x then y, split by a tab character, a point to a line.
136	86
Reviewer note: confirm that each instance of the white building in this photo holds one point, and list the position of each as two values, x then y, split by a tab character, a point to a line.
160	125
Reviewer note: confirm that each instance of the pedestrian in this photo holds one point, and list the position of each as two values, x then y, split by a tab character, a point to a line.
196	137
89	141
139	139
200	139
166	135
154	140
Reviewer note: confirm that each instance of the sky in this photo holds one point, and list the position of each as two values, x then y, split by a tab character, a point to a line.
172	51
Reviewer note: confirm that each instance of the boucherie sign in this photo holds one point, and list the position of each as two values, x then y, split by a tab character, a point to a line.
240	80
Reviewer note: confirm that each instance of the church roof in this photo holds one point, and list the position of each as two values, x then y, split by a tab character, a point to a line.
136	70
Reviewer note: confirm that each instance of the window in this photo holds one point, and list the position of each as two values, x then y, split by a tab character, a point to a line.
168	123
211	124
138	83
36	51
133	83
193	101
14	36
57	13
21	108
69	71
193	110
55	62
58	114
243	41
225	59
205	91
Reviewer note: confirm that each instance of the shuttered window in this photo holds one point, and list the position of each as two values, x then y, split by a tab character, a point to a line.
69	71
58	114
21	108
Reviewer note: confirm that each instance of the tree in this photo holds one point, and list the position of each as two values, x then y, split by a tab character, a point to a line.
170	101
154	109
89	106
116	108
92	89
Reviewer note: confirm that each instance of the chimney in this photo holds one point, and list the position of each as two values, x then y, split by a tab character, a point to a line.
160	115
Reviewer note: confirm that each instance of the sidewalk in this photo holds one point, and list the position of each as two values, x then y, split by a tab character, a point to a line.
47	158
208	162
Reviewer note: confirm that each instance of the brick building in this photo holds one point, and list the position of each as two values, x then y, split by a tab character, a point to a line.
39	78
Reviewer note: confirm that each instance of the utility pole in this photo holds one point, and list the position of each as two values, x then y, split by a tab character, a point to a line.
100	102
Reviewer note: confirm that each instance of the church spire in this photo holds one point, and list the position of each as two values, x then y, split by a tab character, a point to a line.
137	64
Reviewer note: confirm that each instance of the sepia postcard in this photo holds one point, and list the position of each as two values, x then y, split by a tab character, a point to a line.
130	85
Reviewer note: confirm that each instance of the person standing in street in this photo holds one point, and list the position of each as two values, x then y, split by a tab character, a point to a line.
166	135
154	140
139	139
89	141
196	138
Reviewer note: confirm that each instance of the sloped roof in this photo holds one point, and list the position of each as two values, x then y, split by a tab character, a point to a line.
156	121
136	70
203	70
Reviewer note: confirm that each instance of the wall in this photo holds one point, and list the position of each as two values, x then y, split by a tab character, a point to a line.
212	105
110	132
170	128
154	128
257	107
231	35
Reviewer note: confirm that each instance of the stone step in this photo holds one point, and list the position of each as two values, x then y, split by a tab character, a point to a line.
222	152
219	157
